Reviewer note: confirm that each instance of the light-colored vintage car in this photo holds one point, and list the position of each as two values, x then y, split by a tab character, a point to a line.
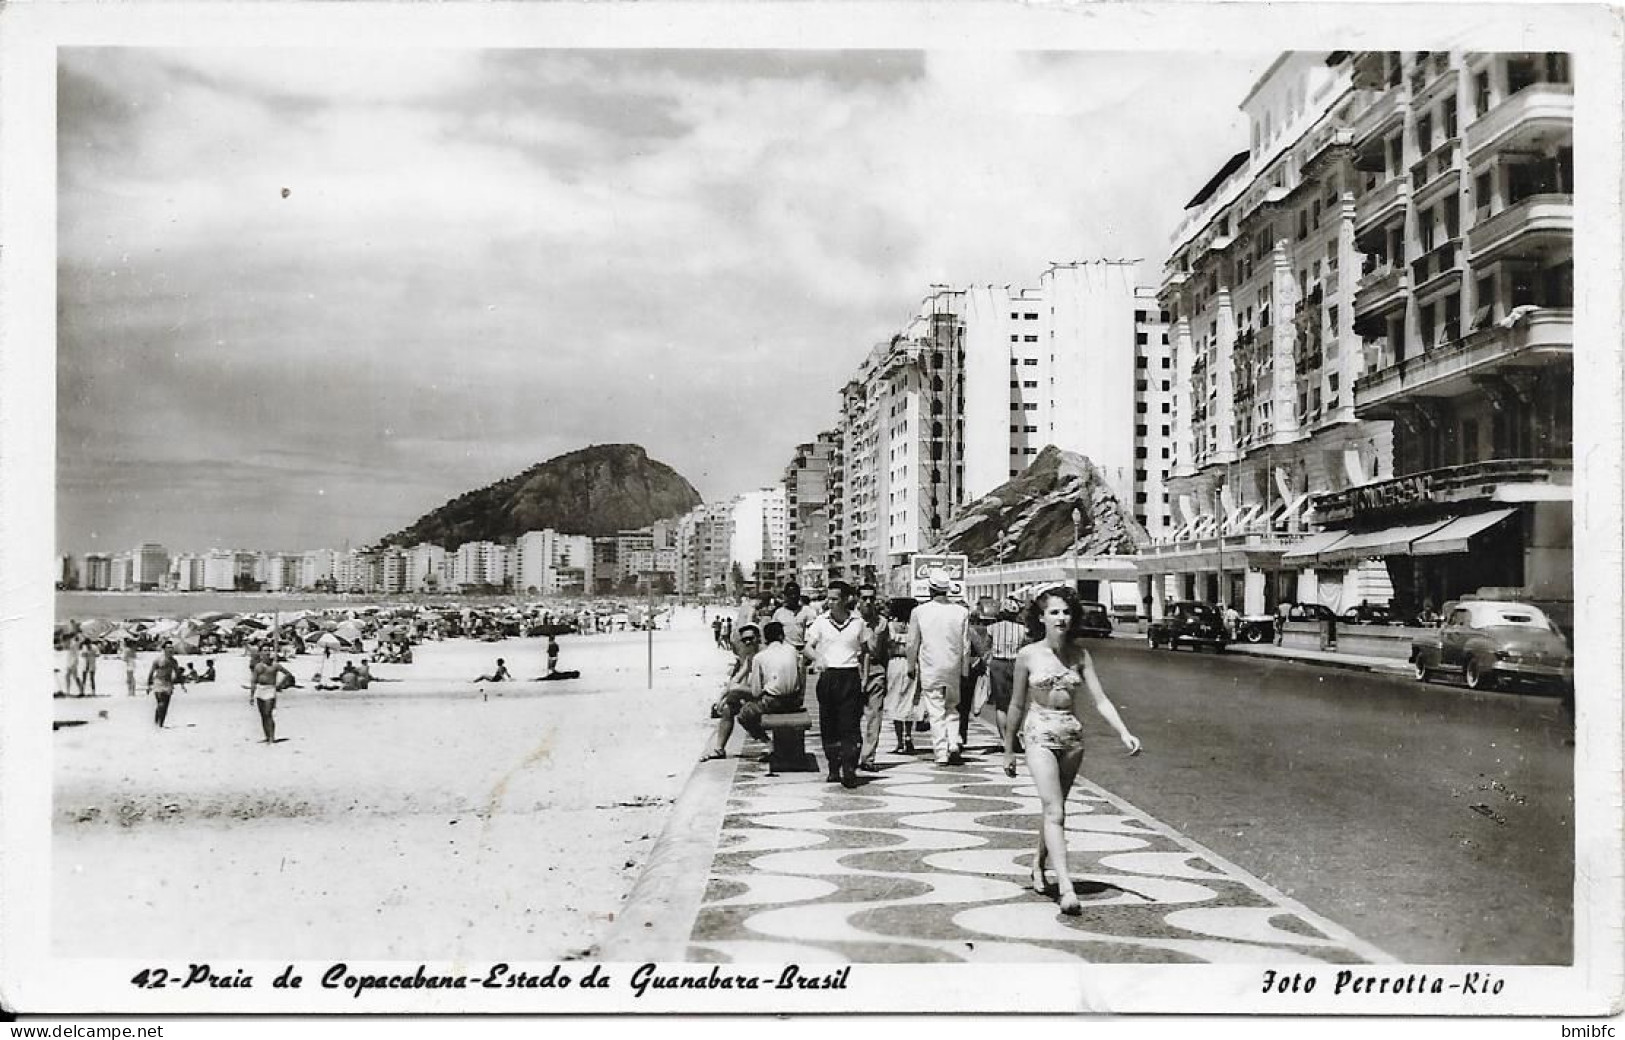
1495	642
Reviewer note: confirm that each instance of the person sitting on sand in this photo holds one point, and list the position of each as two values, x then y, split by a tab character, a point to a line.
267	677
356	677
192	675
500	675
208	671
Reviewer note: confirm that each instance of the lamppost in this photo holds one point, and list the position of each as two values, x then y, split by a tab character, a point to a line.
1077	527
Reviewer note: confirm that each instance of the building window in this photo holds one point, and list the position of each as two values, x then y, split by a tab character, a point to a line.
1166	385
1015	451
1139	315
1030	316
1014	316
1481	93
1015	473
1166	408
1029	451
1166	363
1140	453
1031	406
1029	361
1015	339
1015	429
1141	339
1029	339
1165	453
1139	431
1014	361
1165	431
1015	384
1450	118
1030	429
1139	499
1014	407
1139	407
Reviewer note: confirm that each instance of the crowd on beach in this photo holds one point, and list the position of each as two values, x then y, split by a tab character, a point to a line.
272	642
934	665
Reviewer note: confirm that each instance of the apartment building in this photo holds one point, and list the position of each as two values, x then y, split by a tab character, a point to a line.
1465	215
807	509
1259	289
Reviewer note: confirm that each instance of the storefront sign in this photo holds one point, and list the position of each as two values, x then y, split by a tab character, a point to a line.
1392	494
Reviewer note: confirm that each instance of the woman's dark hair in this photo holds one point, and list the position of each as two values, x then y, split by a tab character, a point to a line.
1035	612
901	608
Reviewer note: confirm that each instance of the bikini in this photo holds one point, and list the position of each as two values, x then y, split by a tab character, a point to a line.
1054	728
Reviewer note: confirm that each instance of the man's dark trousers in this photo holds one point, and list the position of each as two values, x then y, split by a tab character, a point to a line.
840	717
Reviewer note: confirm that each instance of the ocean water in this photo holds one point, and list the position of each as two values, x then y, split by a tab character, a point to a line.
118	606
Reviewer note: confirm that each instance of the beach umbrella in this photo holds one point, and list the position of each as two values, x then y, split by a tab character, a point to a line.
164	626
348	631
215	615
329	639
95	628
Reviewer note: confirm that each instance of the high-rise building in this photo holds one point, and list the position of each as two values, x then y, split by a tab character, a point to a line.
97	571
757	529
1464	211
1080	362
149	566
1259	287
807	501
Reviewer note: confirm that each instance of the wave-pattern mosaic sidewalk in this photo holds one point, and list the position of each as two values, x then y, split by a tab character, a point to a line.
927	863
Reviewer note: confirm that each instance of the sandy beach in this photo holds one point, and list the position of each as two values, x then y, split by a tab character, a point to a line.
431	817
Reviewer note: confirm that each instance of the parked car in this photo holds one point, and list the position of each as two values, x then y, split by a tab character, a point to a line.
1189	622
1495	642
1260	628
1370	614
1096	620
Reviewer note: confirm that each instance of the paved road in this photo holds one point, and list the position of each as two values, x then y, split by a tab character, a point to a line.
1431	821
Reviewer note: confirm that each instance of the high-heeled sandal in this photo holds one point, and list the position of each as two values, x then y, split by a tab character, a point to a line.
1039	885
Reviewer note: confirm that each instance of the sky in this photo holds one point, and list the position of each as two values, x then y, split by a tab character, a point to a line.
306	296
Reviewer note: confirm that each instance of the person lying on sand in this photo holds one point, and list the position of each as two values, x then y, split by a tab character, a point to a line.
500	675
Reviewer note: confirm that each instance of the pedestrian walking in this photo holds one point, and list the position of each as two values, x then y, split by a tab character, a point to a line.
836	641
903	705
977	667
876	658
1053	676
1006	637
1283	613
127	655
939	656
87	667
161	679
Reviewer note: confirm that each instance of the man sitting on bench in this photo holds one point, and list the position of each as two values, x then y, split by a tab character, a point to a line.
770	684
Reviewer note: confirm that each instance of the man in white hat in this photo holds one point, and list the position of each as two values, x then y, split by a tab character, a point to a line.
939	657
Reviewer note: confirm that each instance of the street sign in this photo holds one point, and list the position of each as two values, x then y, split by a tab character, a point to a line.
922	564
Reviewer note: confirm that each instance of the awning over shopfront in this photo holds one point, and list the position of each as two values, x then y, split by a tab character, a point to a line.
1457	535
1390	541
1304	553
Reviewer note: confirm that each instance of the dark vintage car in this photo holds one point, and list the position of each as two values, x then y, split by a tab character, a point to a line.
1495	642
1260	628
1095	620
1190	623
1370	614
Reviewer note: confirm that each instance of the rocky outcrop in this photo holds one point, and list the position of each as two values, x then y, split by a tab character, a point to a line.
1030	516
596	491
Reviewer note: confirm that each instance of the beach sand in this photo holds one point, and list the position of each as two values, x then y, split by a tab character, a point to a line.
431	818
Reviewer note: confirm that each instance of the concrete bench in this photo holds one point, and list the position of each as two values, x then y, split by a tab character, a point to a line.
789	733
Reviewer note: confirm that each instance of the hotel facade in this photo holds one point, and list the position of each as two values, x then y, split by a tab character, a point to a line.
1371	329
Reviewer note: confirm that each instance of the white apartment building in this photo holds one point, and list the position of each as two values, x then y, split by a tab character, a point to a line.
1080	362
756	528
317	567
549	563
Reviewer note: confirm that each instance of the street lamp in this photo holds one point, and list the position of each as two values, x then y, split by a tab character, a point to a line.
1077	527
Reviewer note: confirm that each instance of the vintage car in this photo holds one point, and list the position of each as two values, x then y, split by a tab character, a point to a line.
1096	621
1495	642
1370	614
1189	622
1260	628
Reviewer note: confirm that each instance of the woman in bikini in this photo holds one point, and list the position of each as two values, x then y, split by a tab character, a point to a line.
1053	679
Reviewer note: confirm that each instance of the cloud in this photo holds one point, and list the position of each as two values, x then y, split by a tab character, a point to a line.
373	279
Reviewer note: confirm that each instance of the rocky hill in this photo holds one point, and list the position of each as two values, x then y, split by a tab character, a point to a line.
1030	516
597	490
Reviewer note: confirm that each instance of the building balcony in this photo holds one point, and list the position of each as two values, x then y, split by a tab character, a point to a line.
1436	174
1385	114
1526	121
1493	480
1449	371
1381	291
1434	269
1381	206
1531	226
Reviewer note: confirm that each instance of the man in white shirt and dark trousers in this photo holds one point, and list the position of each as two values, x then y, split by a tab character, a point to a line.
836	642
939	657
